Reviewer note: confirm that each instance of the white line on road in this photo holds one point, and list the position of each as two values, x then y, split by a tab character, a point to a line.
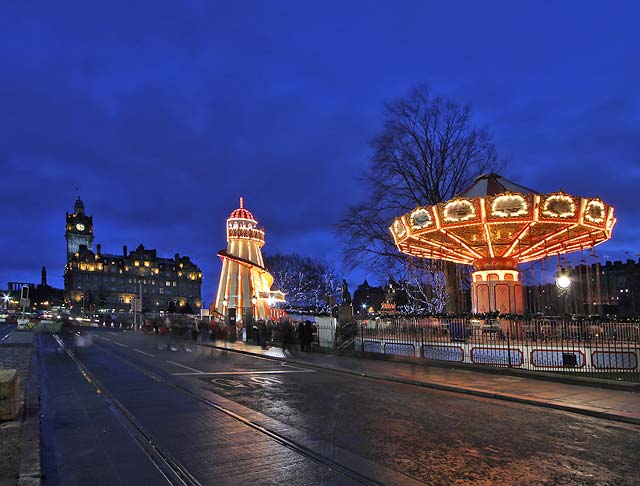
264	372
296	367
106	339
185	367
146	354
120	344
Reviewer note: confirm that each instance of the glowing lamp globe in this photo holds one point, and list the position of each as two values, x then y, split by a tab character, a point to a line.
563	281
496	224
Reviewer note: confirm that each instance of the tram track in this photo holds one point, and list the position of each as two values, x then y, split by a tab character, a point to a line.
168	465
162	459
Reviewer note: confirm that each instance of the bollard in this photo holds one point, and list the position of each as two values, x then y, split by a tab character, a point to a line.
9	394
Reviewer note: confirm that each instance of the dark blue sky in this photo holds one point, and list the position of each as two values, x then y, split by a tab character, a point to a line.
163	113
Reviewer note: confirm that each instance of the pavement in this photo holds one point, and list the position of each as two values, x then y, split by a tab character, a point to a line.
20	438
594	399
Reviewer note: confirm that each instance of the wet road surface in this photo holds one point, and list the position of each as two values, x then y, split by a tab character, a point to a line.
220	417
5	330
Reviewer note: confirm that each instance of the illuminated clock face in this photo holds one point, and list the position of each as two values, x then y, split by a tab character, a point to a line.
80	227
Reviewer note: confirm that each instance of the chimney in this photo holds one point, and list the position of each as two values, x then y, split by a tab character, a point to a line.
177	256
124	250
98	249
44	275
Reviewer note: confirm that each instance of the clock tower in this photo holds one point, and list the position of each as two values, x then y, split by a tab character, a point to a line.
79	229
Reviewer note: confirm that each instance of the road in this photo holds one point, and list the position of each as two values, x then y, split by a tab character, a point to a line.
5	330
139	410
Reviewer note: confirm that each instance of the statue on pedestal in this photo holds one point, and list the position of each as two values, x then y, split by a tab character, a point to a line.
345	310
346	297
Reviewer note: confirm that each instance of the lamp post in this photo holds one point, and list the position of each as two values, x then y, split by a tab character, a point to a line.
249	325
6	298
563	282
563	279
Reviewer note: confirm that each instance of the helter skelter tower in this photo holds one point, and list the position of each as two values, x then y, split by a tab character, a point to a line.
245	284
495	225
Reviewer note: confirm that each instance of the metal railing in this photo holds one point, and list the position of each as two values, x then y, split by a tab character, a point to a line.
609	350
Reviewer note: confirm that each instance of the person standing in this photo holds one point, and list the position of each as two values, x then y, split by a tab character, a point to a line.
262	334
308	335
204	331
194	331
167	327
300	335
286	335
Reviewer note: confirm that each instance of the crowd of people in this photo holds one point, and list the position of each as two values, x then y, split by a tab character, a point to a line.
287	334
302	335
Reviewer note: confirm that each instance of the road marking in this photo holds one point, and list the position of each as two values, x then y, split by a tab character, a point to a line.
296	367
120	344
197	372
264	372
106	339
146	354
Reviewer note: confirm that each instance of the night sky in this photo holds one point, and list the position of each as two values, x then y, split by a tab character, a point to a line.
161	114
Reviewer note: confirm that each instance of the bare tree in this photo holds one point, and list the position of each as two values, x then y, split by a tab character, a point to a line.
427	151
424	286
306	282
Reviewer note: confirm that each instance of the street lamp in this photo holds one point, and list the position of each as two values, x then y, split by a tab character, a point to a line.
6	298
563	279
252	317
563	282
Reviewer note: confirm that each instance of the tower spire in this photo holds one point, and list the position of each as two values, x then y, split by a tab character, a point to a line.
241	202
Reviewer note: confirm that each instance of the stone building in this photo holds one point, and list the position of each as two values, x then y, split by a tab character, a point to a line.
103	282
612	288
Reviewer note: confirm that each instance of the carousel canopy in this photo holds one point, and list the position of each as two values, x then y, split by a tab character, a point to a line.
492	184
500	223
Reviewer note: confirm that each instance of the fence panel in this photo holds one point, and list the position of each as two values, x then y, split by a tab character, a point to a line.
608	350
